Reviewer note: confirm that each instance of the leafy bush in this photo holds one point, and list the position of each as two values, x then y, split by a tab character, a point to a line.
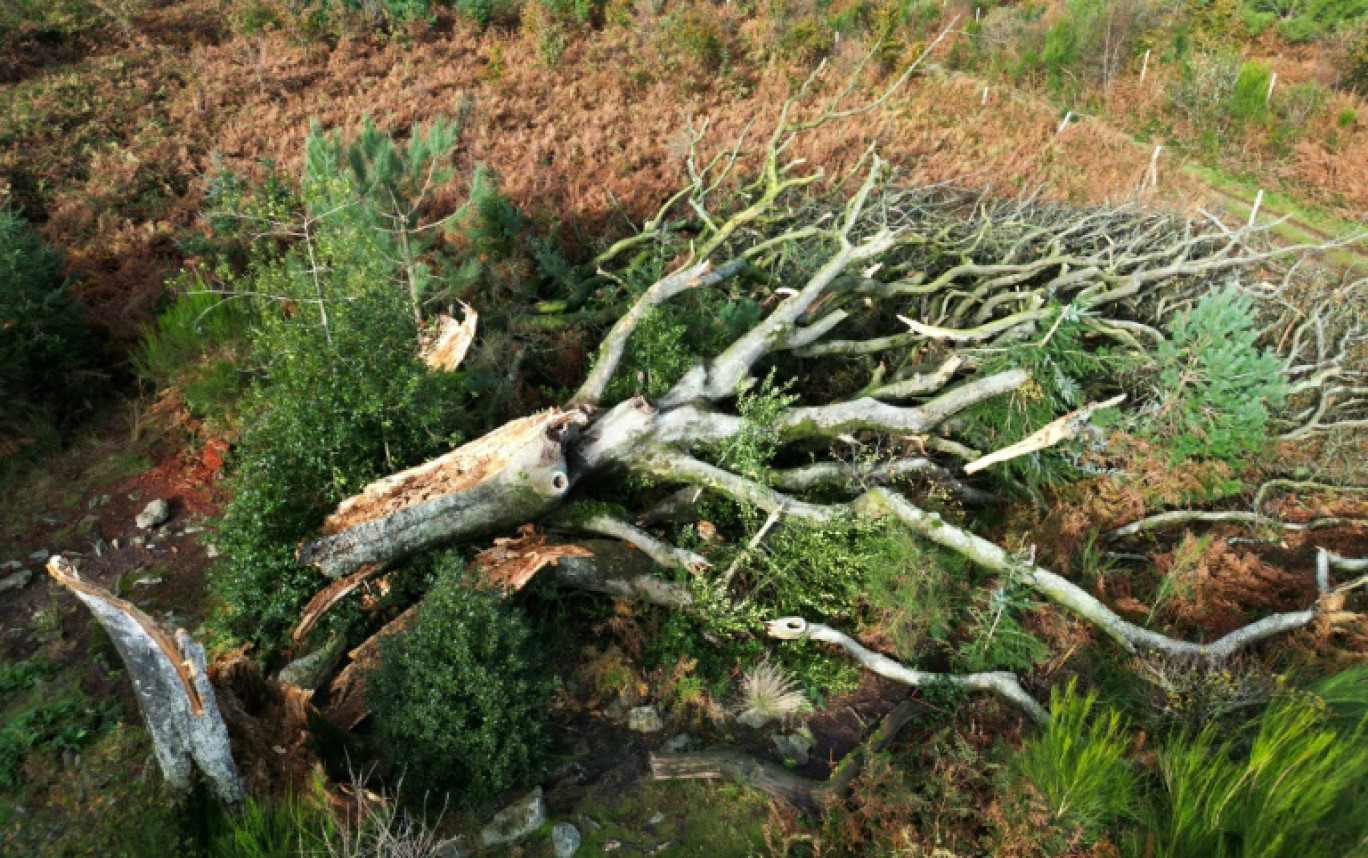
43	342
459	697
1217	384
339	398
1078	766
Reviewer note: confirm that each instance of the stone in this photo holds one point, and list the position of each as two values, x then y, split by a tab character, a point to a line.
11	566
565	839
211	551
40	556
645	719
155	513
656	818
453	848
796	746
15	580
516	821
679	743
618	708
753	719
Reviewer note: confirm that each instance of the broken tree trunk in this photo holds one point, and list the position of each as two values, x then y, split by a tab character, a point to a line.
173	690
494	483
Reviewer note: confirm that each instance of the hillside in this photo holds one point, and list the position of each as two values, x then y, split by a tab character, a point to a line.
1013	353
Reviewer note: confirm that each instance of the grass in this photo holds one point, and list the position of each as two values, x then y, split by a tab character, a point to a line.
694	818
1306	222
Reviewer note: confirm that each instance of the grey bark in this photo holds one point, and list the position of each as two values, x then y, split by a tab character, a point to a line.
172	688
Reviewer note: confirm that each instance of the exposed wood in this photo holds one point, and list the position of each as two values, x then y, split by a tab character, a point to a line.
1047	436
172	687
499	481
347	694
445	347
330	595
513	561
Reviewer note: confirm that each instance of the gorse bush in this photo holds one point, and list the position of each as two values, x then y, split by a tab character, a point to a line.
459	696
1301	20
1217	384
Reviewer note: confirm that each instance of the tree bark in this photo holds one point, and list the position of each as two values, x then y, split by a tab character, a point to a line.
173	690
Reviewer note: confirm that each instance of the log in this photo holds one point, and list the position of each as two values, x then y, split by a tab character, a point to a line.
497	482
172	687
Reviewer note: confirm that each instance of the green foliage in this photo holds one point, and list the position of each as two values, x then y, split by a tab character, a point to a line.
47	727
749	452
1078	766
276	827
914	591
996	639
1217	384
1061	372
198	345
459	697
1249	99
1301	20
1292	793
43	341
338	397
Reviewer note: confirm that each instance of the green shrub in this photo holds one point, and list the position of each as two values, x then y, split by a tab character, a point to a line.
1301	20
1078	766
338	399
289	826
44	344
1217	384
198	345
1249	99
459	697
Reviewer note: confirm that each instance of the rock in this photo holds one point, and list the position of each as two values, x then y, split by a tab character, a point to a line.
645	719
11	566
796	746
656	818
679	743
618	708
311	671
516	821
155	513
453	848
565	838
753	719
16	580
114	544
148	580
40	556
211	551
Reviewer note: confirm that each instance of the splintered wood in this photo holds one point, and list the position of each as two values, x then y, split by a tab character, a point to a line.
445	347
513	561
171	683
329	596
94	595
467	466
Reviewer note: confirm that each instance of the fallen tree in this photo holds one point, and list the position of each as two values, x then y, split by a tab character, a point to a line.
943	298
